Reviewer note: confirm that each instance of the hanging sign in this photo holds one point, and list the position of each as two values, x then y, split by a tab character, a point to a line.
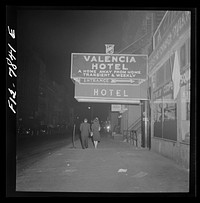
116	107
106	69
110	93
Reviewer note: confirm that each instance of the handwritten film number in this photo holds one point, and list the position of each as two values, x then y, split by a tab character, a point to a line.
12	69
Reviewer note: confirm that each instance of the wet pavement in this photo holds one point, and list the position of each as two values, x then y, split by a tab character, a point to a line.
115	166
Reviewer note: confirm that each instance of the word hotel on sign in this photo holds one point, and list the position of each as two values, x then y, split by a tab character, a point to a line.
102	66
110	93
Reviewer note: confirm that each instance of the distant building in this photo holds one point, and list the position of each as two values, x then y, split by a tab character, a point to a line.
27	85
142	41
169	84
41	101
52	102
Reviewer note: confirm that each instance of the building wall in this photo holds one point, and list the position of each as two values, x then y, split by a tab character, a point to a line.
53	105
113	120
134	113
27	85
173	150
39	99
124	122
129	117
137	42
131	30
170	118
170	115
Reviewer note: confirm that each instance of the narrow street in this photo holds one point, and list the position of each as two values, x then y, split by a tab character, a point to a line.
123	76
115	166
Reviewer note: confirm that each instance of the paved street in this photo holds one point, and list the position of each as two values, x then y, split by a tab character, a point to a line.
114	167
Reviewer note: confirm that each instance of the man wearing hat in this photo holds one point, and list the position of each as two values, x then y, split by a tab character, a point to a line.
85	131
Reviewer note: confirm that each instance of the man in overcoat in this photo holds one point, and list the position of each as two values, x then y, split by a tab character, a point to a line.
85	132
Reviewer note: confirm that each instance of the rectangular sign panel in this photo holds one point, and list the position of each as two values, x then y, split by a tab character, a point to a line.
114	93
89	68
116	107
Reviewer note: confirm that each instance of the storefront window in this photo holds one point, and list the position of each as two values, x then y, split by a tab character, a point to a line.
168	73
185	112
183	56
165	107
185	91
160	76
188	111
170	117
157	112
169	111
188	45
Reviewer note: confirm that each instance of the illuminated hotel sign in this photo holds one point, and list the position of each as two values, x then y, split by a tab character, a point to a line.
123	69
111	78
110	93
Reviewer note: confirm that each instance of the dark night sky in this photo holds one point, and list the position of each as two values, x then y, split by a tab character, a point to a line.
55	34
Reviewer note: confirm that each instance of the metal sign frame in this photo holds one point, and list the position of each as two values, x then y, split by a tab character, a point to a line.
109	80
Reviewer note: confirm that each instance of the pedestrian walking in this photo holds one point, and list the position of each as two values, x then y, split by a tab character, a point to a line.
95	130
85	131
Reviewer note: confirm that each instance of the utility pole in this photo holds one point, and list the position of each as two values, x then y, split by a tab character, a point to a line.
73	135
91	112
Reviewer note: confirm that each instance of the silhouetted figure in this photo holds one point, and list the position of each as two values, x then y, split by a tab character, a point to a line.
95	129
85	131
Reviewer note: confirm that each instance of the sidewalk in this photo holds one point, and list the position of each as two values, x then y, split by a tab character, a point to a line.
114	167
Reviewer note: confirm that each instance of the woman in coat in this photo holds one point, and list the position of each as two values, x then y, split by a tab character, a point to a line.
96	134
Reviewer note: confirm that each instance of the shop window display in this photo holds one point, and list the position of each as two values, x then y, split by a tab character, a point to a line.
185	91
185	113
170	118
157	112
183	55
165	115
160	76
158	118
